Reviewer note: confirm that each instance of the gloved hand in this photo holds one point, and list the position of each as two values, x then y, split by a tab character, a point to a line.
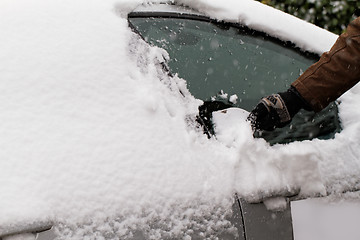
277	110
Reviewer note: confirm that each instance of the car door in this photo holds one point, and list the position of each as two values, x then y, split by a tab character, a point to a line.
229	65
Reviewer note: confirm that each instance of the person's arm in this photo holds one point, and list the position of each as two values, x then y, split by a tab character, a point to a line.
336	72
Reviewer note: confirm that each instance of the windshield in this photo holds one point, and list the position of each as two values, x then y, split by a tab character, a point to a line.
236	66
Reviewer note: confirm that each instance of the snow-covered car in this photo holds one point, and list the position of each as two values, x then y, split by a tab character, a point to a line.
218	57
105	106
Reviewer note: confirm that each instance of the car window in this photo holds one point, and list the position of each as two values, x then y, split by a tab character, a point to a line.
238	66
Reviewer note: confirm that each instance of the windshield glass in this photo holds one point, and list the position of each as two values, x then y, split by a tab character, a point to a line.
234	65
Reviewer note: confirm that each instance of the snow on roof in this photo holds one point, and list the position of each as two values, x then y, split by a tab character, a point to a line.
257	16
166	7
267	19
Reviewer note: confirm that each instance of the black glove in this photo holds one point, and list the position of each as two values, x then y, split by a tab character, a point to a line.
277	110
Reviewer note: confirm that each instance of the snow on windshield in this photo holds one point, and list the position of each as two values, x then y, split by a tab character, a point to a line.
96	138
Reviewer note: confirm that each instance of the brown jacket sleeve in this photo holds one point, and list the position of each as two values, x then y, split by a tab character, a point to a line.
336	72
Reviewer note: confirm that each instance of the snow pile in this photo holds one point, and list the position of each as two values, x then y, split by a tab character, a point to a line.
263	171
310	168
96	138
92	134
